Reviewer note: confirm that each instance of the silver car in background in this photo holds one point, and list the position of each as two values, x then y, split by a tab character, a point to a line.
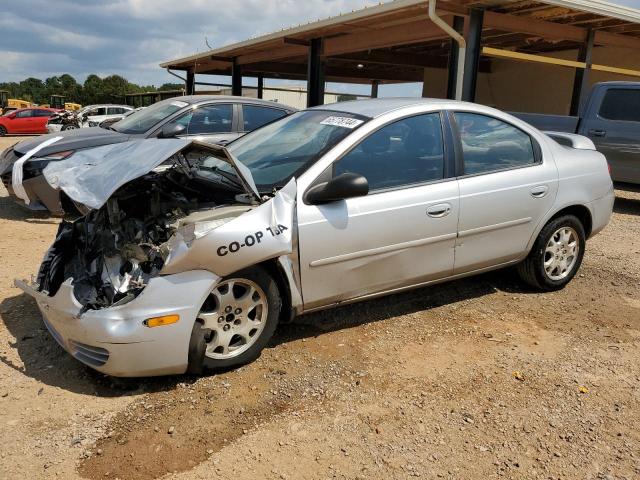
190	254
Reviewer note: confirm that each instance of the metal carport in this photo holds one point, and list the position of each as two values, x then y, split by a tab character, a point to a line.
398	42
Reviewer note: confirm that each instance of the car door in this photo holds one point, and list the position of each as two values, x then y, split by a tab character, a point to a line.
114	113
23	121
400	234
506	186
615	131
41	117
95	116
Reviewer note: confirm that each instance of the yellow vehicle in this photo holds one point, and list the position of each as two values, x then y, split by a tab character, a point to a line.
16	103
73	107
7	104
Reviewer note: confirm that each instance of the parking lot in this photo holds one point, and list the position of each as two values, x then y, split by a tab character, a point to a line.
478	378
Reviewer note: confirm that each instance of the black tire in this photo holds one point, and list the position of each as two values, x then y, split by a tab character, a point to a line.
532	271
3	131
198	361
69	127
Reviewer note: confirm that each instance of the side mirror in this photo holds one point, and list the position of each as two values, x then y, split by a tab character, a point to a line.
12	116
346	185
171	130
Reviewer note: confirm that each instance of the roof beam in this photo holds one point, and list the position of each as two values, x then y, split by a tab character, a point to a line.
531	26
404	75
414	32
615	40
390	58
557	31
296	41
287	51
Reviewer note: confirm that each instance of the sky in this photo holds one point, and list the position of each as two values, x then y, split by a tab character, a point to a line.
41	38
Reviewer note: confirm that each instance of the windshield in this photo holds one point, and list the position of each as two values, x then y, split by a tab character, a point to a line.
143	120
281	150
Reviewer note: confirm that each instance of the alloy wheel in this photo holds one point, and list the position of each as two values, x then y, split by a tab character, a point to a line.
234	314
561	253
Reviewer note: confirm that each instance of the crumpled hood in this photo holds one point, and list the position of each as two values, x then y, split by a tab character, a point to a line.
89	177
73	140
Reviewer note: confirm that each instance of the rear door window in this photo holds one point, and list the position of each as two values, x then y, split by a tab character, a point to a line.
97	111
208	119
255	116
489	144
621	104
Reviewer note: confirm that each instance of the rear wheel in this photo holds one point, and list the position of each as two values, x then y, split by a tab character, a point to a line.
556	255
236	321
3	131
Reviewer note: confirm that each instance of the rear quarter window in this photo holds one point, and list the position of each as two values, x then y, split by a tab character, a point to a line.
621	104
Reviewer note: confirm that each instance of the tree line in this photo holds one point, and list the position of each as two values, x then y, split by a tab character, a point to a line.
110	89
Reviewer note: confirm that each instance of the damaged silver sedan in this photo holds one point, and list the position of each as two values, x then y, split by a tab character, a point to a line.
188	254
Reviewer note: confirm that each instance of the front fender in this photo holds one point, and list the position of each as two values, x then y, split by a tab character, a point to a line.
261	234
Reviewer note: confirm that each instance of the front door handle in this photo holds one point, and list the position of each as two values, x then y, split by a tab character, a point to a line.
539	191
597	133
440	210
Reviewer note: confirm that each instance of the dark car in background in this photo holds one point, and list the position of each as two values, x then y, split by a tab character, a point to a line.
209	118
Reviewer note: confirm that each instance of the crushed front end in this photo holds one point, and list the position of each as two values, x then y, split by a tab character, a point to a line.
136	254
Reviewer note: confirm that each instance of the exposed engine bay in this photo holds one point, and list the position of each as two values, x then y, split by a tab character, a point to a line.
66	119
112	252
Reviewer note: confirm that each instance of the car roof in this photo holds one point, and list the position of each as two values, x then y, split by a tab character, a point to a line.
192	99
379	106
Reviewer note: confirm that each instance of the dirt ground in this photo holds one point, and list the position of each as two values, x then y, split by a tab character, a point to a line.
478	378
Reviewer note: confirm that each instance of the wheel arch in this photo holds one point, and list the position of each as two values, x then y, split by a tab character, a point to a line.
580	211
277	269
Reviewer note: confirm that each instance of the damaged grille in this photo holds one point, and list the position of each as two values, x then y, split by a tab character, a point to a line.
92	356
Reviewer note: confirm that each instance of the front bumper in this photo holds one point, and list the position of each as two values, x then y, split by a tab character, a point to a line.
114	340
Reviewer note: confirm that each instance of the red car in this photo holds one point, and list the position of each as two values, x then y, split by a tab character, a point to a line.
26	120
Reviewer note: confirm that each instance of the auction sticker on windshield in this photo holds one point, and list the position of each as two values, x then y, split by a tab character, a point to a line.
345	122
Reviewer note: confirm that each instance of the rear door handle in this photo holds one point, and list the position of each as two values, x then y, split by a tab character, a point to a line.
440	210
597	133
539	191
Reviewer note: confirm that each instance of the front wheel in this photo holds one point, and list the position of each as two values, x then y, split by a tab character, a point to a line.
69	127
3	131
236	321
556	255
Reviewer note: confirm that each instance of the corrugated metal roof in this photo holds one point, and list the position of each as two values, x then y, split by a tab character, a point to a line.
615	24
